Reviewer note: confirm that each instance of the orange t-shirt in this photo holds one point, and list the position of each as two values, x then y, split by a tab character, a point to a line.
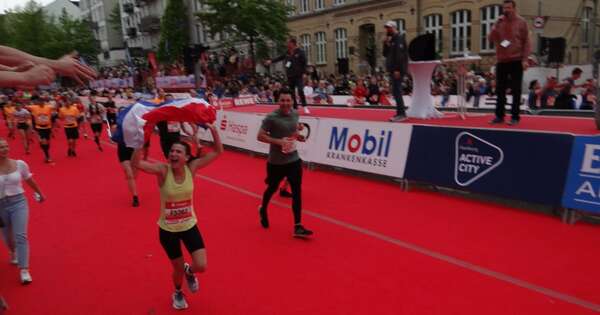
41	116
69	114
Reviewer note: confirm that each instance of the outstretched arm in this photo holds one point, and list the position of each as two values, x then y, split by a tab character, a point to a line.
210	156
67	65
157	169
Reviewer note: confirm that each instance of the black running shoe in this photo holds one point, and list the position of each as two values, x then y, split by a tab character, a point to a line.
136	202
300	231
284	193
264	219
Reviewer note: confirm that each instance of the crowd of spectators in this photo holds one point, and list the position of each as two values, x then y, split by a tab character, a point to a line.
229	74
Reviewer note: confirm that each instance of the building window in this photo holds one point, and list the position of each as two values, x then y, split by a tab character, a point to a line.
290	3
585	26
321	43
433	25
400	25
304	6
338	2
319	4
305	44
341	43
461	32
489	15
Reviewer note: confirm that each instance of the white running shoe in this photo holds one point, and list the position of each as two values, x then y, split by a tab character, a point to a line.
191	279
306	111
25	276
13	258
179	302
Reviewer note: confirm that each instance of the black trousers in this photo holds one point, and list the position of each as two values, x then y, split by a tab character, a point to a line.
509	75
297	82
275	174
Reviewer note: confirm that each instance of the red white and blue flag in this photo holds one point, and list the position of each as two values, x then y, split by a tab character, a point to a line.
136	122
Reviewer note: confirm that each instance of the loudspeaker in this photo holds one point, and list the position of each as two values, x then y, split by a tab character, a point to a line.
422	48
556	49
343	66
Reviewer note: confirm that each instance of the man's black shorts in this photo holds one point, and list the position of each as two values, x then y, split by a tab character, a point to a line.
72	133
44	133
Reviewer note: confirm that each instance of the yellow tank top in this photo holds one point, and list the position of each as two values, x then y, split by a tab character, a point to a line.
177	203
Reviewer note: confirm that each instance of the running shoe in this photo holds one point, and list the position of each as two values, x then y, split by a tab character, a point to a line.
191	279
300	231
264	219
179	302
25	277
284	193
306	111
136	202
398	118
3	304
13	258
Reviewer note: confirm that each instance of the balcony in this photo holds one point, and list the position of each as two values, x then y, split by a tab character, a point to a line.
141	3
150	24
128	8
131	32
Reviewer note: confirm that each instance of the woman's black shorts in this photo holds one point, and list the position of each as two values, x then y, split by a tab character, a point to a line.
72	133
125	153
170	241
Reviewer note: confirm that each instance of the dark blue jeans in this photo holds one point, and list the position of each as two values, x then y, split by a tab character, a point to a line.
397	92
297	82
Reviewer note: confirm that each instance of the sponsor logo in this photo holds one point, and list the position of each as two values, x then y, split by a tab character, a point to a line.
475	158
367	148
589	172
237	129
245	101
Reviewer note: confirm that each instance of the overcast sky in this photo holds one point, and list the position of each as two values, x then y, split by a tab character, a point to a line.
11	4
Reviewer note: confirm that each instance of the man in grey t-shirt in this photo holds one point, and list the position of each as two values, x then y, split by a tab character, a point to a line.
280	130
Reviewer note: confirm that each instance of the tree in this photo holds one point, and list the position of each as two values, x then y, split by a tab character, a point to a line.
174	33
115	18
30	30
257	22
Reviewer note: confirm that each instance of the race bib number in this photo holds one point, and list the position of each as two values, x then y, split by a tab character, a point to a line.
95	119
288	64
178	212
289	147
505	43
43	119
70	120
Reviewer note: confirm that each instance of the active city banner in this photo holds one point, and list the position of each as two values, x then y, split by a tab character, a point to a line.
379	148
582	190
529	166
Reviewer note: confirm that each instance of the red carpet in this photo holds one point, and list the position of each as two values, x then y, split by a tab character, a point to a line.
93	254
554	124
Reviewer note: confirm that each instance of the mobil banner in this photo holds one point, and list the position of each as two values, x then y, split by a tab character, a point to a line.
582	190
379	148
528	166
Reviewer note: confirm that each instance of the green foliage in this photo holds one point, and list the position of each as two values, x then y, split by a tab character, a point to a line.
114	19
174	32
257	22
31	30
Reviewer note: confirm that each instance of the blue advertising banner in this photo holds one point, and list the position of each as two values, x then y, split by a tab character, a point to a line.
527	166
582	190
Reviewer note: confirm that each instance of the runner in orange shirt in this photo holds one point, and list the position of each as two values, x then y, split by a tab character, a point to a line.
42	115
69	114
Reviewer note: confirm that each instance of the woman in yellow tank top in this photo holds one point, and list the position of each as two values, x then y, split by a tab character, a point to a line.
177	221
